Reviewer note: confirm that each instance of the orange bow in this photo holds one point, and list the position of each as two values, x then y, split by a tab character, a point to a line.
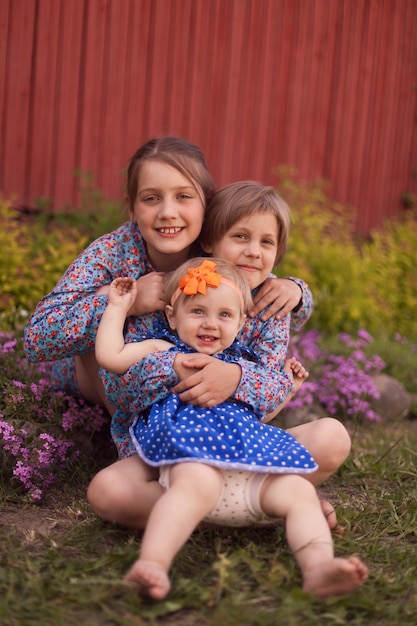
199	278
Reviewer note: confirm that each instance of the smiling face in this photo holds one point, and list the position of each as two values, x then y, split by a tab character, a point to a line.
207	323
251	244
169	212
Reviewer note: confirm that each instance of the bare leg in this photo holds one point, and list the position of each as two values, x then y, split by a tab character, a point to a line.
194	490
309	537
89	383
125	492
329	443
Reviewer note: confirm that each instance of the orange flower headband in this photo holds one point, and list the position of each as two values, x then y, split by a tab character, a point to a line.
197	279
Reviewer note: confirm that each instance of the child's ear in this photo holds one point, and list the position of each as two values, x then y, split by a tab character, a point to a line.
207	249
129	208
169	312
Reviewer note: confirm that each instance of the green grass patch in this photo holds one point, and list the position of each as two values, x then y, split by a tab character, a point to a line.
63	566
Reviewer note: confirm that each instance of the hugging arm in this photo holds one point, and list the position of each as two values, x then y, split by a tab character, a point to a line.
282	296
263	385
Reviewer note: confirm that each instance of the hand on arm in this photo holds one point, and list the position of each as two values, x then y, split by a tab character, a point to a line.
204	380
281	295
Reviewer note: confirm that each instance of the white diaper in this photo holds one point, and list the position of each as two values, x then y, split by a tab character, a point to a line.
238	503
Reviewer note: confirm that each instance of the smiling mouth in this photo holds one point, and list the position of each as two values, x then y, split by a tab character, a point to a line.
207	338
171	230
248	268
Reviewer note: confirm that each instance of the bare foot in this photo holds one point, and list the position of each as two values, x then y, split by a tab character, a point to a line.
151	577
335	577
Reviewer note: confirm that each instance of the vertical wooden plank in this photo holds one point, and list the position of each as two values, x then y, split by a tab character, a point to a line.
5	43
265	140
177	105
345	87
115	80
205	45
376	187
17	94
297	87
157	80
410	82
68	95
254	51
222	69
360	95
280	50
136	92
43	105
404	108
311	151
91	128
231	96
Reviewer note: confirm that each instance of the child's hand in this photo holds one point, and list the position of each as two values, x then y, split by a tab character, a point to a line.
280	295
297	371
122	292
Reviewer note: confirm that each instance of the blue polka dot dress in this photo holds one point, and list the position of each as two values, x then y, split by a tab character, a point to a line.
228	436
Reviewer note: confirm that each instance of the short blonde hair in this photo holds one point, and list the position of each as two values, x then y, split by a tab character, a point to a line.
225	268
236	201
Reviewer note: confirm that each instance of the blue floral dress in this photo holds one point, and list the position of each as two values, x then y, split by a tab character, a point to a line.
228	435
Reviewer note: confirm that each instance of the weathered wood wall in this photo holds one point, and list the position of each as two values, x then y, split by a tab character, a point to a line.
327	86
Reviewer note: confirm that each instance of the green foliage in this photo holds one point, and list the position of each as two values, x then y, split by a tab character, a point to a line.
356	284
35	250
97	214
32	259
391	261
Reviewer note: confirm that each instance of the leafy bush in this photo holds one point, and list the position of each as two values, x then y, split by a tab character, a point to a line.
35	250
32	259
356	284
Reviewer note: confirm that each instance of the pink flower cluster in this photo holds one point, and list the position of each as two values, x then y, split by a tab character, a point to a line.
341	383
38	425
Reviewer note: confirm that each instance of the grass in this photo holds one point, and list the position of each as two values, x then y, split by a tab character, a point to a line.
60	565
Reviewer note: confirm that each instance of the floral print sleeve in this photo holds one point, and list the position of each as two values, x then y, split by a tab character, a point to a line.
302	313
65	321
145	383
269	340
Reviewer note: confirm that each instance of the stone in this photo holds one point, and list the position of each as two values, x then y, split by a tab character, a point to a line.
394	402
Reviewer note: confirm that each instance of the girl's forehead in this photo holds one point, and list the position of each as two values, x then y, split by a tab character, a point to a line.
156	172
221	296
261	220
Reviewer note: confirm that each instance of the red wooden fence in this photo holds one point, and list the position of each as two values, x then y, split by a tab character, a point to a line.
327	86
